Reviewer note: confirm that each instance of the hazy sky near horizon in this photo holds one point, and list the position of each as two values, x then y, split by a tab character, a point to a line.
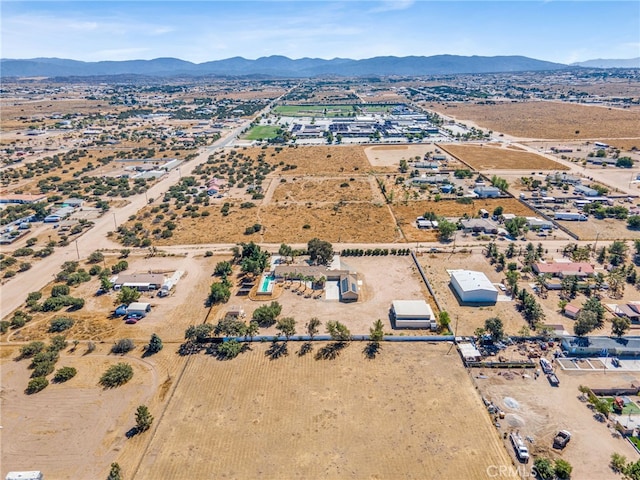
199	31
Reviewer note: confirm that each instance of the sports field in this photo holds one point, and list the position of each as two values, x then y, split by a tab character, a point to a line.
314	110
262	132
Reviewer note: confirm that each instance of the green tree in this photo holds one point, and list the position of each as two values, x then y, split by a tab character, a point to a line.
544	468
115	472
618	462
444	321
116	375
285	251
252	329
313	327
633	222
286	326
219	293
266	314
155	345
562	468
63	374
198	333
376	332
585	323
338	331
122	346
36	384
446	229
619	326
593	305
60	290
617	252
144	419
223	269
320	251
127	295
96	257
495	328
514	225
230	349
60	324
105	284
31	349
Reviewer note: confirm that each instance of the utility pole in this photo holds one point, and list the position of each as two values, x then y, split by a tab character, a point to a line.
115	225
77	250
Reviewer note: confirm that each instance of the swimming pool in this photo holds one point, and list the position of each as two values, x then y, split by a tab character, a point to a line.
266	284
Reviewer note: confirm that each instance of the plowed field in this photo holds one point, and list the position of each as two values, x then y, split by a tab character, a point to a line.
492	158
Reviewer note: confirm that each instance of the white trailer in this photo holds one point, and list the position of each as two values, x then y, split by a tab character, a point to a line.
581	217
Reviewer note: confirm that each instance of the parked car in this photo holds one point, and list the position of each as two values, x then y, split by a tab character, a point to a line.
561	439
134	316
131	320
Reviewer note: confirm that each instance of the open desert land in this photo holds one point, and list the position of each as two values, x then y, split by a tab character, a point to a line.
297	417
390	155
548	120
601	229
357	188
541	410
77	428
487	157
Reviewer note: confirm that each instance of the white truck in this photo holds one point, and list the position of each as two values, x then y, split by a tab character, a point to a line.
581	217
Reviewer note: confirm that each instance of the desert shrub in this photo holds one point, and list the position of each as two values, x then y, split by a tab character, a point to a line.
123	346
4	326
58	343
36	384
60	324
116	375
60	290
31	349
63	374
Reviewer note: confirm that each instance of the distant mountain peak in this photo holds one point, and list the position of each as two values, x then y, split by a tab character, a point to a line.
610	63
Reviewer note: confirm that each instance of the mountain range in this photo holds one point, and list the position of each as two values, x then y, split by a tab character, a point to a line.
276	66
279	66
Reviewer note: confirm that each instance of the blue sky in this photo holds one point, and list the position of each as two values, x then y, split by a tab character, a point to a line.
210	30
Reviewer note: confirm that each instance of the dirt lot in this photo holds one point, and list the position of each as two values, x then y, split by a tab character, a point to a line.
604	229
468	318
550	120
390	155
346	189
542	410
85	432
484	158
296	417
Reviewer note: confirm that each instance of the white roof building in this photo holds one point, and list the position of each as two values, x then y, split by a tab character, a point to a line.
413	314
473	287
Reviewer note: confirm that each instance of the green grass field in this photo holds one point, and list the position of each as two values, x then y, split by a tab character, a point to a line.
313	110
262	132
629	408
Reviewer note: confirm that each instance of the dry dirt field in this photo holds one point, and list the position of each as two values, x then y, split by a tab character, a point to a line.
491	158
390	155
317	160
548	120
602	229
357	189
297	417
468	318
76	429
543	410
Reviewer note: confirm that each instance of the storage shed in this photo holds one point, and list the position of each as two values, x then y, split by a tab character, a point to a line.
413	314
27	475
473	287
139	308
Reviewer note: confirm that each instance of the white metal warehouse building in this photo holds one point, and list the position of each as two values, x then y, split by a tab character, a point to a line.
473	287
413	314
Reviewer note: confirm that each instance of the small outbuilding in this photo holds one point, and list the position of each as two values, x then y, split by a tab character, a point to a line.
473	287
27	475
349	288
413	314
139	308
